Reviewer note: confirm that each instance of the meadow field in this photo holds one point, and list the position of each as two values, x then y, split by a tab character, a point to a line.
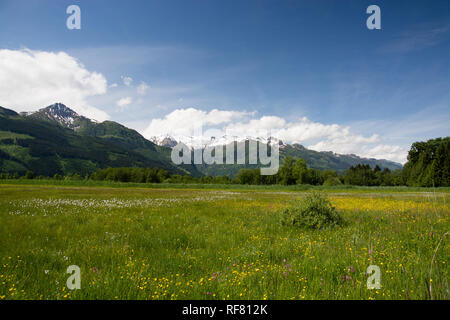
200	242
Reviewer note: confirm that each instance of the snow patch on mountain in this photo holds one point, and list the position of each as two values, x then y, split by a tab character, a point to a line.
58	112
200	142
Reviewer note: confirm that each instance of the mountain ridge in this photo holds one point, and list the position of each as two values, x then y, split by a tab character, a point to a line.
44	145
314	159
122	146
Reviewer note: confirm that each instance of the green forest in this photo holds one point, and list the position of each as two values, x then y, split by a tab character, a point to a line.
428	166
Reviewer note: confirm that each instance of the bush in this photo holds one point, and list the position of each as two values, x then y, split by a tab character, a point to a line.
314	211
29	175
332	181
57	176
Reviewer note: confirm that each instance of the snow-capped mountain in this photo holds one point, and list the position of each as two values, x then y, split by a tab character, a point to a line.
315	159
58	112
54	148
164	141
198	142
137	149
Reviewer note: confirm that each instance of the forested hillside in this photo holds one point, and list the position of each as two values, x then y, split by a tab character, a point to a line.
48	149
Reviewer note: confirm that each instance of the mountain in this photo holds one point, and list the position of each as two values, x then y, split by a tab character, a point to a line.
59	113
111	131
202	142
322	160
164	141
329	160
57	140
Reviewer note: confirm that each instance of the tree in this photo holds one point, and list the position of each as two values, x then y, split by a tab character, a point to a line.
440	167
299	171
332	181
285	175
314	177
248	176
360	175
29	175
428	163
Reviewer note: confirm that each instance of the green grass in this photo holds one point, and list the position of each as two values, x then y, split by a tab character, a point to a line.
12	135
277	187
184	242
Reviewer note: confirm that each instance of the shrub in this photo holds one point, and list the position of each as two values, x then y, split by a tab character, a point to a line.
314	211
57	176
29	175
76	176
332	181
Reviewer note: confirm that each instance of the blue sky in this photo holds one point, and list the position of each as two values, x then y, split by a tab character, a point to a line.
286	59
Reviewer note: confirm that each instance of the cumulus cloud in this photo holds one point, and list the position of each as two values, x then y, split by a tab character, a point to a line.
181	122
127	80
142	89
314	135
30	80
123	103
369	147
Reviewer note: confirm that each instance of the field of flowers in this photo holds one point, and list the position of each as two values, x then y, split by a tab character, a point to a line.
144	243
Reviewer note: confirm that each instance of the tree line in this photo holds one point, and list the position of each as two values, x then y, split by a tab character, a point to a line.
428	165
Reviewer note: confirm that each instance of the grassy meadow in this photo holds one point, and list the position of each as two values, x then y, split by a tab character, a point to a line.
196	242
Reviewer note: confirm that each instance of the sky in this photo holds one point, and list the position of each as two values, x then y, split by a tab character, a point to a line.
309	72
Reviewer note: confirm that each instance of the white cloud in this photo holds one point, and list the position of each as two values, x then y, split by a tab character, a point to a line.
123	103
114	85
370	147
127	80
395	153
314	135
142	89
181	122
320	137
30	80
